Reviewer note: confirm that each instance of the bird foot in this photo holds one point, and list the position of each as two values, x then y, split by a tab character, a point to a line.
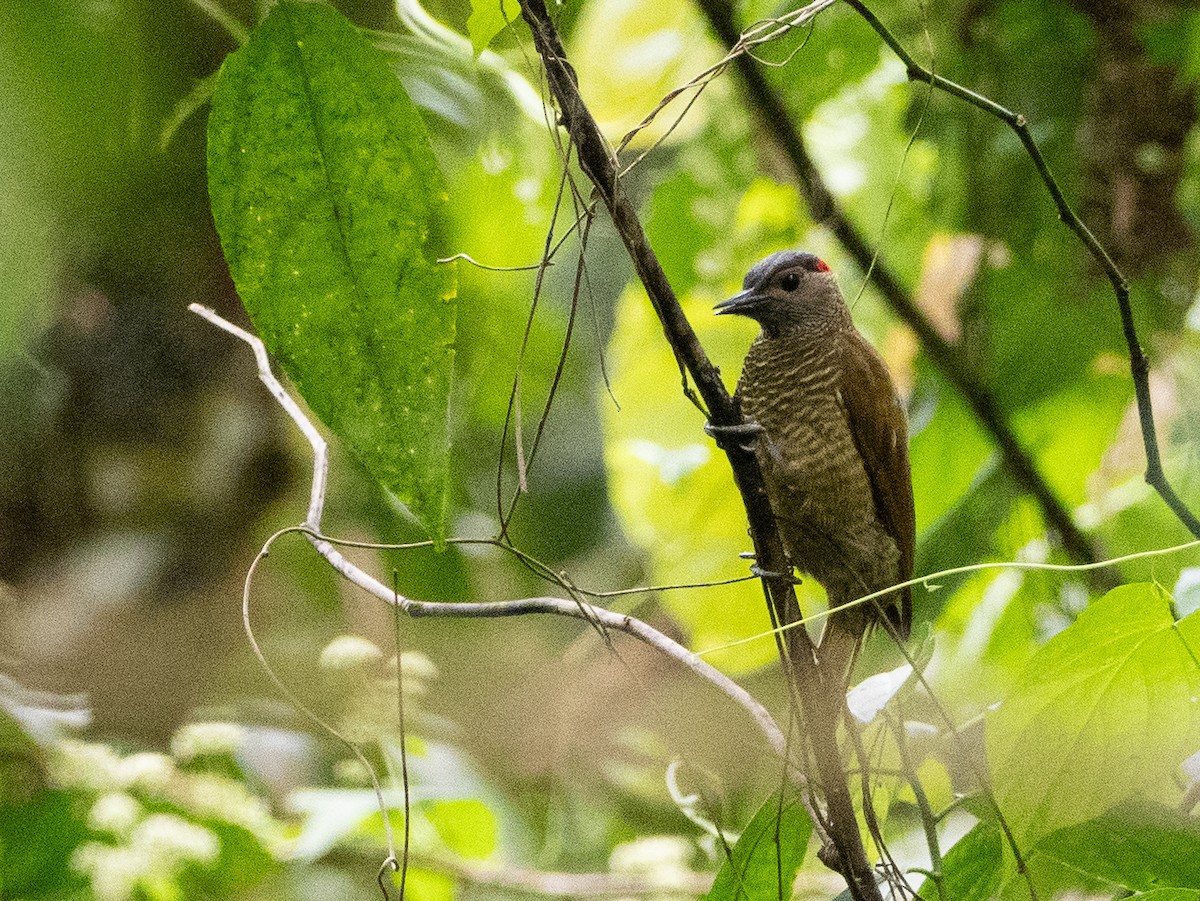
723	433
829	856
757	570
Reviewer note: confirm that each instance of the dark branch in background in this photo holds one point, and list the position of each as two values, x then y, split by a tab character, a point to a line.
947	356
598	163
1138	364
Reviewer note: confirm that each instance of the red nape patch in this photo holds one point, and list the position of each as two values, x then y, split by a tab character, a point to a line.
822	266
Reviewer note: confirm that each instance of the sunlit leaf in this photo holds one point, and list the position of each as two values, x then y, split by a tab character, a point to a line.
763	863
488	18
426	885
466	826
324	191
939	790
648	50
1068	433
1106	710
1141	847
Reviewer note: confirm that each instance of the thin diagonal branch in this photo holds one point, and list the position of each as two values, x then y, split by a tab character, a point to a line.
1139	365
948	358
600	616
599	164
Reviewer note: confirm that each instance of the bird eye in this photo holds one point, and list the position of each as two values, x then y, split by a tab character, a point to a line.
790	281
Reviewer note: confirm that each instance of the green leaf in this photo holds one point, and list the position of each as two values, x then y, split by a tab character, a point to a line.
467	826
761	868
36	836
1106	710
950	456
324	191
1142	848
425	885
1071	430
971	870
1049	878
488	18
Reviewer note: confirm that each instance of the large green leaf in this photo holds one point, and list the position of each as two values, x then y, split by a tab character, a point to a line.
762	865
1141	847
324	192
1105	711
972	869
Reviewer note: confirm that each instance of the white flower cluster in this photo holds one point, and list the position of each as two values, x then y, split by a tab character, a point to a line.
137	848
354	667
157	849
215	797
662	859
206	739
349	652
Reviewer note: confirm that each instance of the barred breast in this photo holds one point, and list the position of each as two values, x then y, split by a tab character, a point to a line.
817	481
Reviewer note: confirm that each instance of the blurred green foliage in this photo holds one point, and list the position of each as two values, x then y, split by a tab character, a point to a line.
141	466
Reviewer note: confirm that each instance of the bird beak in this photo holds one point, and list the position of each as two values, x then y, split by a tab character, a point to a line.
741	303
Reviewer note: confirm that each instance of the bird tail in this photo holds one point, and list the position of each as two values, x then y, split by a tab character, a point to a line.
838	652
843	638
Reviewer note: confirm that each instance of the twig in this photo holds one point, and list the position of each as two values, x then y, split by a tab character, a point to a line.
948	358
546	605
928	820
400	719
599	164
930	581
1139	365
467	258
311	714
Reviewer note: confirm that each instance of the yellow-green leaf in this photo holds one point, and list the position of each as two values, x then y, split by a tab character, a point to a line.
1105	711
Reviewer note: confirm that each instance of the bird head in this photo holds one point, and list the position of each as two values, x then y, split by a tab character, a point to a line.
790	291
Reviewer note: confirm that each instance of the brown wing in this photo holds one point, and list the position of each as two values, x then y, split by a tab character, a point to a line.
880	431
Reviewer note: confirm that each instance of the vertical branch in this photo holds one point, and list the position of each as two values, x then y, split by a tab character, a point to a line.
598	163
928	818
944	354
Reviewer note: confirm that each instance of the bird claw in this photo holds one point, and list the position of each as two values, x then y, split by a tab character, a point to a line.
722	433
828	855
756	570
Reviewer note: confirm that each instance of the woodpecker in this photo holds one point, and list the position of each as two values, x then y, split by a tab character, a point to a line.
830	434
